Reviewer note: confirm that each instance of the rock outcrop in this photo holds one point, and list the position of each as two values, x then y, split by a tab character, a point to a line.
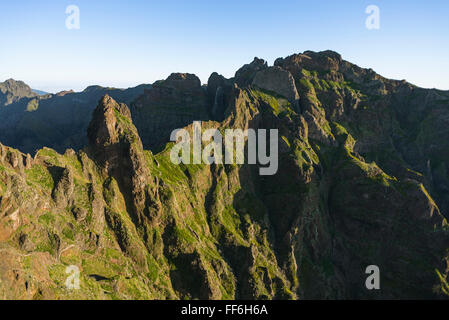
116	145
219	90
170	104
15	158
279	81
245	75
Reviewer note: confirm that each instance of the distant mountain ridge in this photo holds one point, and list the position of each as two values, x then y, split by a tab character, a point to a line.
59	121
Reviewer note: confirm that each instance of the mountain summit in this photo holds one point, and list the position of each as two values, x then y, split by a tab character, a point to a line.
12	91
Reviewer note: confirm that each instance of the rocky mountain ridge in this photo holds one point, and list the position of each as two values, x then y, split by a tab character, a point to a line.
362	181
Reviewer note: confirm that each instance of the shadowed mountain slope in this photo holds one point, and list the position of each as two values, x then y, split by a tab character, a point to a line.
57	121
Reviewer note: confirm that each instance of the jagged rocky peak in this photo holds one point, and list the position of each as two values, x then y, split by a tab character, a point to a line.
116	146
219	90
114	140
105	128
214	82
178	87
15	158
329	65
279	81
181	81
245	75
324	61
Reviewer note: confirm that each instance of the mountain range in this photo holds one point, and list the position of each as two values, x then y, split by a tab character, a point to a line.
86	180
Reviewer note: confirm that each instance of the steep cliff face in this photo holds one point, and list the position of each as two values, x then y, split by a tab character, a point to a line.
361	182
170	104
401	127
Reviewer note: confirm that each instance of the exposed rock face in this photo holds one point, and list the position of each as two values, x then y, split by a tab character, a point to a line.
362	181
185	82
219	90
279	81
105	128
245	75
15	158
116	145
63	192
325	61
79	213
170	104
215	81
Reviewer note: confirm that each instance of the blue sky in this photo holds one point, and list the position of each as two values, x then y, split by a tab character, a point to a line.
125	43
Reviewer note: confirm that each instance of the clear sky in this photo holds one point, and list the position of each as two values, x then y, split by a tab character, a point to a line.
125	43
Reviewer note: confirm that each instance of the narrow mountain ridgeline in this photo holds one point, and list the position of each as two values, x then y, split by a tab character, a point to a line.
362	180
